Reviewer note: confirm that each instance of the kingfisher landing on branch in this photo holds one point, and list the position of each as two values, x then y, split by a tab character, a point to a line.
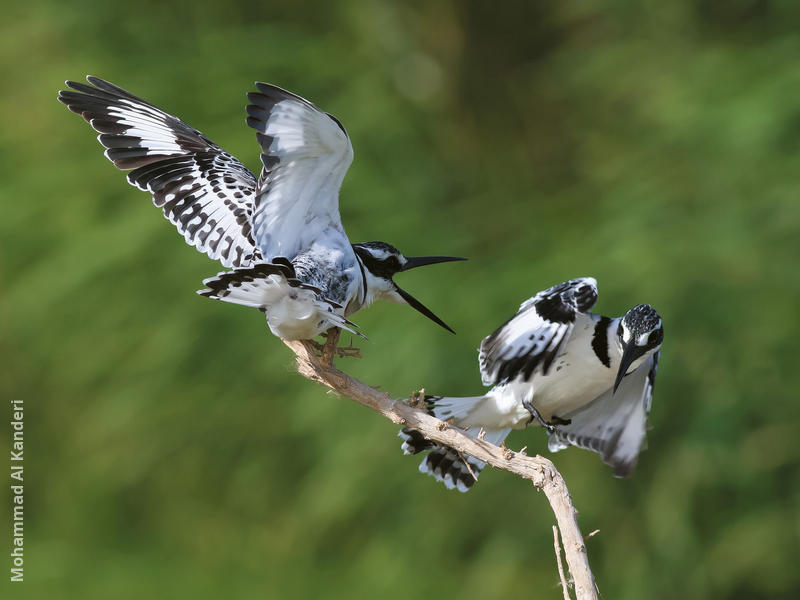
586	378
281	233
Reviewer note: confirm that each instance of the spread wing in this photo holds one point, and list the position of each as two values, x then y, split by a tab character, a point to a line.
305	153
535	335
204	191
613	425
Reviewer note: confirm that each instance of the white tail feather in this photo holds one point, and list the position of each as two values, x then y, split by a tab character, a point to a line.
454	408
294	310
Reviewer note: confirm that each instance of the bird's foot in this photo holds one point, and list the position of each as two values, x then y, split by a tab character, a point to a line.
329	349
535	416
349	351
346	352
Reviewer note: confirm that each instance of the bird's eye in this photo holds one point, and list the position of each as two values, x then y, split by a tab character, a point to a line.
390	264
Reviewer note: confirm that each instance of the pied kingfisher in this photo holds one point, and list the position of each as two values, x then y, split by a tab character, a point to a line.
587	379
281	233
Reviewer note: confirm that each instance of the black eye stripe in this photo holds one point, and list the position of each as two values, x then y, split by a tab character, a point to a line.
380	267
654	339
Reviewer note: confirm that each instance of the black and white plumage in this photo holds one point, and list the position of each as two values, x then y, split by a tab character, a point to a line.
281	233
204	191
264	286
589	379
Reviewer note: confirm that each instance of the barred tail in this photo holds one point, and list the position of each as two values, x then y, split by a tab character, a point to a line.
454	469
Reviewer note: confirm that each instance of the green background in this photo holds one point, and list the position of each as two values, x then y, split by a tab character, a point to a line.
172	452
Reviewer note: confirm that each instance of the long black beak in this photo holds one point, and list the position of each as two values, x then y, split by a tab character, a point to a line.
420	261
629	354
414	303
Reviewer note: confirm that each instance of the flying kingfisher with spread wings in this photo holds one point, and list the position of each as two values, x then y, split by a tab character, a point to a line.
281	234
587	379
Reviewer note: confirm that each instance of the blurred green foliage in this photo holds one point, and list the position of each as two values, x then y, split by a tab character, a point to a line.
172	452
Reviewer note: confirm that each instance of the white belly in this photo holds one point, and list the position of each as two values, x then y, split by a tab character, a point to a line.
293	317
576	377
573	389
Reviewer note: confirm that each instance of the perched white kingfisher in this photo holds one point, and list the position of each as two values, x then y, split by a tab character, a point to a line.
281	233
587	379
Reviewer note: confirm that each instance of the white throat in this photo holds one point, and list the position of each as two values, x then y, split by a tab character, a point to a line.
379	288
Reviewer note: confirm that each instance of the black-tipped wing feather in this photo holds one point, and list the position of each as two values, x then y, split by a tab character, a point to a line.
204	191
535	335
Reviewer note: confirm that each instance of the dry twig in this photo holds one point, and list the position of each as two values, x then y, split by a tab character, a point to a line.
537	469
564	586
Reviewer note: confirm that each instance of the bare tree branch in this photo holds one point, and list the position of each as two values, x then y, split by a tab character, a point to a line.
540	471
557	546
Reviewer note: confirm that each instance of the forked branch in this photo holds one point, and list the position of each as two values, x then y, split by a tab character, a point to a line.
540	471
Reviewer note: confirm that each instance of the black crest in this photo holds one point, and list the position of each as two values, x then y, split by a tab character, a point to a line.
641	320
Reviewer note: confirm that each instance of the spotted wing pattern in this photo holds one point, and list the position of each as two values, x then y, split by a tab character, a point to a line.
305	153
204	191
614	424
535	335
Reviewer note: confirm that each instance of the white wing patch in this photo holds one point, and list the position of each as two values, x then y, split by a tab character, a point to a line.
305	153
204	191
613	425
535	335
146	123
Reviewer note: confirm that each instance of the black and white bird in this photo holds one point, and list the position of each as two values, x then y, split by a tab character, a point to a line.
281	233
586	378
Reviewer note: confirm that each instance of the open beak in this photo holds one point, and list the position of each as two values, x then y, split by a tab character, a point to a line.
416	304
629	354
420	261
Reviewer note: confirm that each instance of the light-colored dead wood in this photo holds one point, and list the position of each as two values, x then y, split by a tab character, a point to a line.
537	469
561	576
